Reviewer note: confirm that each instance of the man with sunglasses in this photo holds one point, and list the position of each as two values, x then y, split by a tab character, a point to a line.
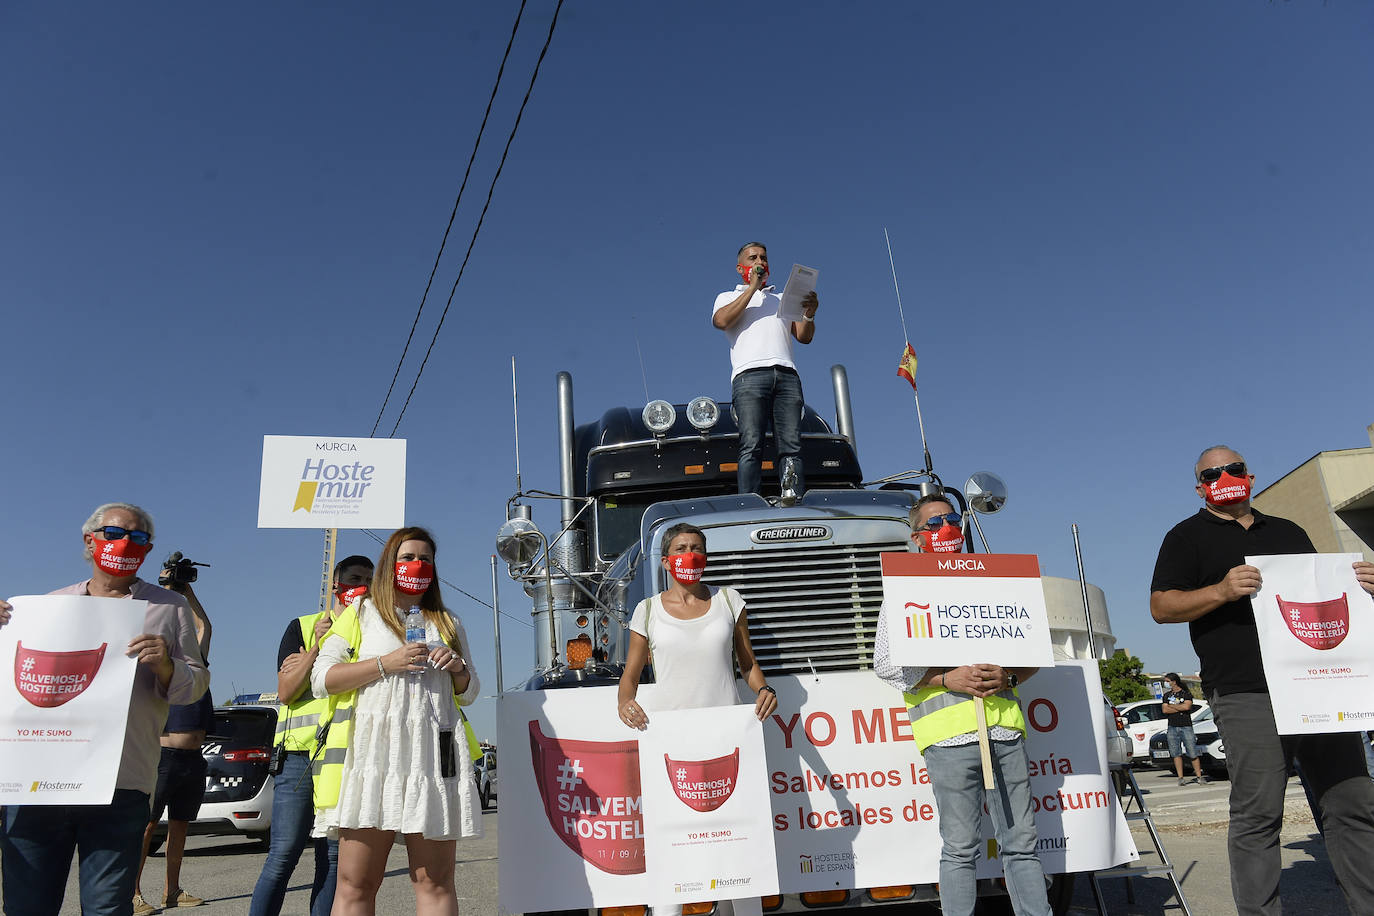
1201	579
944	725
36	843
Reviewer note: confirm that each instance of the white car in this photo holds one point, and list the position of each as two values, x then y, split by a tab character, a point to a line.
1118	742
1144	720
486	777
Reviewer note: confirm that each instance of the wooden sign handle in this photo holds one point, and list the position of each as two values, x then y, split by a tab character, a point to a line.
984	750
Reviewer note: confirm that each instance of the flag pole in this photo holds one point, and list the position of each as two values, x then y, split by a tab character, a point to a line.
901	313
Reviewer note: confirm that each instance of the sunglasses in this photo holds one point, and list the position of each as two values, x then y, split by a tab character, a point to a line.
938	521
1211	475
114	533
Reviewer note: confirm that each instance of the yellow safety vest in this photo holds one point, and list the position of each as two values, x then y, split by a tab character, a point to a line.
337	720
937	714
298	722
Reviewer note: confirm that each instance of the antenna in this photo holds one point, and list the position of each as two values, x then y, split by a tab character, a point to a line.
920	421
642	373
515	411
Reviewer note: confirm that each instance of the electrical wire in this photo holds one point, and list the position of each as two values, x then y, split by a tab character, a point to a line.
452	215
553	24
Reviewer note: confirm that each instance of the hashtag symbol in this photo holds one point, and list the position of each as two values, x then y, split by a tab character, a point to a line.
569	772
28	664
1295	614
681	773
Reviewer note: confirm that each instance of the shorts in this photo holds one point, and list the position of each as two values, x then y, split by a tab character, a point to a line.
1182	743
180	784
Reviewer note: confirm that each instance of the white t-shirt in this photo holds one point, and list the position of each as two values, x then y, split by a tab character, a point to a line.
694	665
759	338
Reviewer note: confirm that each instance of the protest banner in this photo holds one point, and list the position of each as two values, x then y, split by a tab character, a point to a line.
327	482
64	710
1316	634
850	801
703	839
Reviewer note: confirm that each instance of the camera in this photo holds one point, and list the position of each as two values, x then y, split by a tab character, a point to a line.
177	572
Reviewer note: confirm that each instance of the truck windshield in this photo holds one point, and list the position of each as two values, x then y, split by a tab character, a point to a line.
617	521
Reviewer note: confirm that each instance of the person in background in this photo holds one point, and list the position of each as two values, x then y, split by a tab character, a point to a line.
181	768
1178	708
293	808
396	761
944	724
37	842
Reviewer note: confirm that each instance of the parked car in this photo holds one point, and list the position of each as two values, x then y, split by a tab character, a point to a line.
1118	741
486	777
1144	720
1211	751
238	789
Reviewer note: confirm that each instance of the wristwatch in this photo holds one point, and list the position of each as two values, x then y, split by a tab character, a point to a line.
1012	680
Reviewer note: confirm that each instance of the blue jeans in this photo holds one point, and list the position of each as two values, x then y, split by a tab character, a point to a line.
1182	741
956	776
758	395
293	814
37	843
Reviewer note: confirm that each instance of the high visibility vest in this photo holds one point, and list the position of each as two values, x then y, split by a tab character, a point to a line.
298	722
937	714
337	721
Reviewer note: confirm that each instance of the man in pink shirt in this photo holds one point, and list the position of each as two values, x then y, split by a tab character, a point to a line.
37	842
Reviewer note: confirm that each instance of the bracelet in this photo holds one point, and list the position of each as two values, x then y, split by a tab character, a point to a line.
769	689
941	675
380	670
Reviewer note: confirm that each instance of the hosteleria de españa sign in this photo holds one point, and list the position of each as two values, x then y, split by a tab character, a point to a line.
327	482
965	609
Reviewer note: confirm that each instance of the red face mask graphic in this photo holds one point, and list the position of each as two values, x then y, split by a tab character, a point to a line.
704	785
945	539
1226	490
686	567
744	271
48	679
414	577
119	558
1320	624
592	799
347	596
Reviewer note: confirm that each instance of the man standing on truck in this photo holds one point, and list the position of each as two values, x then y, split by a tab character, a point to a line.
944	725
1201	578
763	378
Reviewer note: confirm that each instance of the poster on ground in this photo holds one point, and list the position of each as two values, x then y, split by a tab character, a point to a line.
1316	633
851	804
953	609
330	482
65	704
707	819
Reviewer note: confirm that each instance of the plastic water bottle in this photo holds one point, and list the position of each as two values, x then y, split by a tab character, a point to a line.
415	629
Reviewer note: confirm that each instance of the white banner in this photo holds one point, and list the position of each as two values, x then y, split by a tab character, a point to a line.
64	710
1316	634
707	822
851	803
952	609
326	482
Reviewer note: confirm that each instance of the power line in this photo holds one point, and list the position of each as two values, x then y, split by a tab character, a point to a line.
553	24
452	215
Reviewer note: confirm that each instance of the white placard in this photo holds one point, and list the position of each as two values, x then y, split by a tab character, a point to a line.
800	281
327	482
965	609
1316	634
65	706
707	820
851	806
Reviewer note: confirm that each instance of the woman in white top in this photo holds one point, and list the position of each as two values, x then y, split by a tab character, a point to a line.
407	770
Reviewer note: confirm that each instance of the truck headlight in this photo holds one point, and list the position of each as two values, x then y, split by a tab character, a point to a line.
659	416
703	413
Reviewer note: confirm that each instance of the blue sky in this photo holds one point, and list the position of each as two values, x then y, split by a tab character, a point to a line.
1123	232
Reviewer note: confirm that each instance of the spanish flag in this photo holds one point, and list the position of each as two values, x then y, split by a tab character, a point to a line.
907	367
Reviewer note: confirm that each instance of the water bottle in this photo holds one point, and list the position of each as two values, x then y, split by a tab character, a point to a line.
415	629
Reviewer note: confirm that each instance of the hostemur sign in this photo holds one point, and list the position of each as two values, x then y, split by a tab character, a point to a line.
328	482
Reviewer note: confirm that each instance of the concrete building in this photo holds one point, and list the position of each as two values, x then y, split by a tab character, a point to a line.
1331	495
1068	631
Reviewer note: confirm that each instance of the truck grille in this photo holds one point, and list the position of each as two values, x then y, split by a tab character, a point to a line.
815	607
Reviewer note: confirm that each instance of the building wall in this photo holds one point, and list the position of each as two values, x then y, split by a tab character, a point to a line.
1310	493
1300	496
1068	630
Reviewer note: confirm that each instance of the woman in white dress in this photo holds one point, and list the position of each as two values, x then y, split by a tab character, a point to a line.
691	629
407	769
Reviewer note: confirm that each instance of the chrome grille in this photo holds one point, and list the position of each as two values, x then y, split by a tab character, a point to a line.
813	606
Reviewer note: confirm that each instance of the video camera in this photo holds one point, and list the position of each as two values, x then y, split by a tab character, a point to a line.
178	572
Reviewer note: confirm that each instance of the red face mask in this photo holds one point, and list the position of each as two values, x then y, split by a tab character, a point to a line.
945	539
1227	490
347	596
744	270
414	577
686	567
119	558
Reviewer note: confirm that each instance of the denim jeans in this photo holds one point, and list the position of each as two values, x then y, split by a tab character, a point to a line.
956	776
1333	768
1182	741
775	393
37	843
293	815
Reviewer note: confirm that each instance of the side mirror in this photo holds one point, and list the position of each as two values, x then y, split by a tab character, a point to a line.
518	542
985	492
